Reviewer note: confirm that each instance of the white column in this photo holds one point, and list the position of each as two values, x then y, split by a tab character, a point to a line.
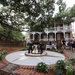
39	36
64	34
47	37
55	36
33	36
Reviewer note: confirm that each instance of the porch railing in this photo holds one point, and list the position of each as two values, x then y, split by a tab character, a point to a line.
64	28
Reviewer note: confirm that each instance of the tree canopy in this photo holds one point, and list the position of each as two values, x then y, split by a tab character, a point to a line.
37	14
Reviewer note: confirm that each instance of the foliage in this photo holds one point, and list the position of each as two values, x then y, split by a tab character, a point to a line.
69	70
60	64
72	61
18	36
10	35
70	66
61	5
2	53
37	14
65	15
0	56
42	67
15	14
72	11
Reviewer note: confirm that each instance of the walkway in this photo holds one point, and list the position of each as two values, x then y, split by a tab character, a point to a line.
71	53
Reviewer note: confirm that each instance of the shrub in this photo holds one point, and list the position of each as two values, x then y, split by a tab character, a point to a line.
0	56
2	53
69	70
72	61
60	64
42	67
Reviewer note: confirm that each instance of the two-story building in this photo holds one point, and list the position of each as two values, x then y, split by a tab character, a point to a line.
53	34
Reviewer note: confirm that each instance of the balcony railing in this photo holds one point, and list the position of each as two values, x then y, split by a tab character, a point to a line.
51	39
64	28
46	39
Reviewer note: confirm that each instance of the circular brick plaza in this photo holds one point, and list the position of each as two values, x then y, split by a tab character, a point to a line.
23	58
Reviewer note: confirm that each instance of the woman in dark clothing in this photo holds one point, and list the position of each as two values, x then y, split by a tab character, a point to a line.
70	44
30	48
64	44
42	47
73	46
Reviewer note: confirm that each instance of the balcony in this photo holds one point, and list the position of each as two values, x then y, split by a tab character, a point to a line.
64	28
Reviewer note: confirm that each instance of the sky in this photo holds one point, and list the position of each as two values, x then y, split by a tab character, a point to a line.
69	3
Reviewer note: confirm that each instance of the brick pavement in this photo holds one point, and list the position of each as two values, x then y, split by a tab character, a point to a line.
29	70
72	54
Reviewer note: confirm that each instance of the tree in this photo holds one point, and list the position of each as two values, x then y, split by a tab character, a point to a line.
72	11
61	5
64	16
10	35
35	13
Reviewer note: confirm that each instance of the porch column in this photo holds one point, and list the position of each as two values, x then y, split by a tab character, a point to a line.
64	34
39	36
55	36
33	35
47	37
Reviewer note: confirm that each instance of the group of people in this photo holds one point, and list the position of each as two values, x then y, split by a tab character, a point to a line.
51	45
70	44
40	46
36	47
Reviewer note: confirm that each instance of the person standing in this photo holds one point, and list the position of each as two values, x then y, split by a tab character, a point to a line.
73	46
70	44
64	44
42	48
30	47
